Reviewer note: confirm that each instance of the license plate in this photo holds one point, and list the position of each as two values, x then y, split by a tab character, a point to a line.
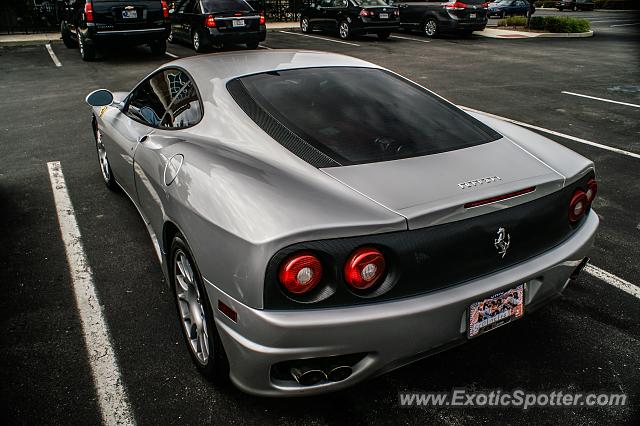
129	14
384	16
497	310
472	15
238	22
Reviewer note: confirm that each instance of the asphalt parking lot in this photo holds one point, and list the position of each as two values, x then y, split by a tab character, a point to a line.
589	340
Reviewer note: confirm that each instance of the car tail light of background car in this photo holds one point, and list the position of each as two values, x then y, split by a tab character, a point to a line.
165	9
88	12
485	5
455	6
365	12
581	201
262	20
300	273
210	22
364	268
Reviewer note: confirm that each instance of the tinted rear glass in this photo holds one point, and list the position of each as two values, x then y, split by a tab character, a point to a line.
361	115
225	5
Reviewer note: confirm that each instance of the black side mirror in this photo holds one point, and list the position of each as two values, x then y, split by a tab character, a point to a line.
100	97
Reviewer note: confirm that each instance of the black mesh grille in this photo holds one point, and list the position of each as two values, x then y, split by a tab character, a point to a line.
277	130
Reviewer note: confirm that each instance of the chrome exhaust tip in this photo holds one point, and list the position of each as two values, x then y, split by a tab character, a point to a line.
306	377
339	373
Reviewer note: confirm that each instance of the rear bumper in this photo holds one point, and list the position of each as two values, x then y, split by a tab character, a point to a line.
457	25
216	36
389	334
137	36
362	27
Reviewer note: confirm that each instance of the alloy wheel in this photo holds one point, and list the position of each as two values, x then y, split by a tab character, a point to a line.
344	30
304	25
102	157
190	301
196	41
430	28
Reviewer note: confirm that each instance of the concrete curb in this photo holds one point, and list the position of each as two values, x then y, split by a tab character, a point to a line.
519	35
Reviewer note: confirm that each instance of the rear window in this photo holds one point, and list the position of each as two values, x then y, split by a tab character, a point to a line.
225	6
356	115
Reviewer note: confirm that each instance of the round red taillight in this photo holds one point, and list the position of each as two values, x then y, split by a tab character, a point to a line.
578	205
364	268
300	272
592	190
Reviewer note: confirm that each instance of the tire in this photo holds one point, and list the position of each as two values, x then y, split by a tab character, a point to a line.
158	47
467	33
252	45
103	161
560	9
430	27
66	37
384	35
197	42
87	51
344	30
192	302
305	26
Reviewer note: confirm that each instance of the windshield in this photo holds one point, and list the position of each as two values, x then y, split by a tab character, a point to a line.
370	2
362	115
225	5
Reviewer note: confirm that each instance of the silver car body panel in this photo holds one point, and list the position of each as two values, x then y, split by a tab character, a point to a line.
239	197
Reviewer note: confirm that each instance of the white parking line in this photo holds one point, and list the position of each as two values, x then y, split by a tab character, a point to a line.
613	280
553	132
409	38
264	47
104	367
625	25
320	38
54	58
171	55
601	99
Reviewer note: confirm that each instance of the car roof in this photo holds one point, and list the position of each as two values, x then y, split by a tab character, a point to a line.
229	65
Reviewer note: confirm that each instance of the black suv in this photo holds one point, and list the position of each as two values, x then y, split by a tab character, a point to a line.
205	23
91	23
434	17
351	17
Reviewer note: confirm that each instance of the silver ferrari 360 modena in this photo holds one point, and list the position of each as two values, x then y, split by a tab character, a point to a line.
322	220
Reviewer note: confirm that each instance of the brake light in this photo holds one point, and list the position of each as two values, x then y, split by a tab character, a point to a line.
577	205
485	5
592	190
210	22
364	268
88	12
165	9
365	12
499	198
262	20
455	5
300	273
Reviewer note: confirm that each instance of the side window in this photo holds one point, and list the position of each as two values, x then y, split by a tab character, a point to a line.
184	110
339	3
325	3
166	99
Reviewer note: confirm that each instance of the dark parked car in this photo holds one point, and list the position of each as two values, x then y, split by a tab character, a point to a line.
94	23
207	23
504	8
351	17
575	5
434	17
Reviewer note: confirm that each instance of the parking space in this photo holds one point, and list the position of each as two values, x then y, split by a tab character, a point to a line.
586	341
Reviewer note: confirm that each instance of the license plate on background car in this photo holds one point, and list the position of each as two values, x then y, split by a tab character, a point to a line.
238	22
129	14
472	15
497	310
383	16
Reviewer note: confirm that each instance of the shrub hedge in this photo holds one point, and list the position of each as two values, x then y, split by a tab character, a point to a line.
553	24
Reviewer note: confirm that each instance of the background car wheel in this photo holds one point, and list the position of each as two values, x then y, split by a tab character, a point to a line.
66	37
170	38
385	35
430	27
561	9
87	51
198	42
103	161
253	45
195	315
158	47
305	27
344	30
